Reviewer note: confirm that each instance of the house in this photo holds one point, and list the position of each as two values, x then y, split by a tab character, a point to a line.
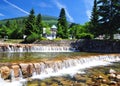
50	33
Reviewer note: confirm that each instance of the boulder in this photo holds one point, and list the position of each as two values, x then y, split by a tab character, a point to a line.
16	70
5	72
111	71
27	69
118	76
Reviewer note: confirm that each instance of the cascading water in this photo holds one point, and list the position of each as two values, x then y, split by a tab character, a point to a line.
20	74
61	67
72	66
12	76
36	48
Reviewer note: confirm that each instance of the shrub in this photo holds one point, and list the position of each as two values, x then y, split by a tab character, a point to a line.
31	38
43	38
58	39
85	36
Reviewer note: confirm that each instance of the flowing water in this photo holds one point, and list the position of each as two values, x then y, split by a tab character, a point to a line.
36	48
68	65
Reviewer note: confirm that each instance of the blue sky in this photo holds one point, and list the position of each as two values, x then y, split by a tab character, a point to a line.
77	11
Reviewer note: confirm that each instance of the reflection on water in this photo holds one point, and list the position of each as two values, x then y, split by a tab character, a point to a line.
38	55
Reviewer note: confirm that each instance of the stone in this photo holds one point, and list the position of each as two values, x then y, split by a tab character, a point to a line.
27	69
112	76
16	70
37	67
113	83
111	71
5	72
118	76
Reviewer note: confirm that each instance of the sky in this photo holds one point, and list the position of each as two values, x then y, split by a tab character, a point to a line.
78	11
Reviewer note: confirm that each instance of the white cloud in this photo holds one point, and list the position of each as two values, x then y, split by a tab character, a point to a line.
15	6
88	12
1	14
88	5
59	5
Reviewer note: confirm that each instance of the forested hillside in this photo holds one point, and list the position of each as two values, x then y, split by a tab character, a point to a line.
46	19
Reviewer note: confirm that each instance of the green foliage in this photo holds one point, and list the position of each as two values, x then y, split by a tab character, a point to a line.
30	22
31	38
58	39
84	36
43	38
33	27
49	20
48	31
59	31
3	31
76	30
109	16
62	25
16	34
12	30
93	25
39	24
105	19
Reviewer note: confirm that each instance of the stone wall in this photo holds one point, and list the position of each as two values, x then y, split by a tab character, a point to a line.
56	42
100	46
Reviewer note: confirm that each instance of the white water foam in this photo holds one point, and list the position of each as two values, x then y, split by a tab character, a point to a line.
70	66
40	49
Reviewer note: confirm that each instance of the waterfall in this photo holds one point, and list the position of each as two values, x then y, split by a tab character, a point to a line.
37	48
12	76
20	74
70	66
1	80
13	83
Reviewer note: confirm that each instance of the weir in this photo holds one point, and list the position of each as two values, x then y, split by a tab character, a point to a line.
45	69
34	48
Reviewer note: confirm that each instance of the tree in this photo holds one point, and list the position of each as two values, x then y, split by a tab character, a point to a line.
62	25
59	31
39	24
108	12
94	20
7	24
30	22
76	30
3	31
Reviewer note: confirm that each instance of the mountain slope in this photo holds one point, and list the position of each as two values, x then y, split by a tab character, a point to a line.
45	18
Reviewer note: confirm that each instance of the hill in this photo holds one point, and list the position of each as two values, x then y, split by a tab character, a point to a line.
47	19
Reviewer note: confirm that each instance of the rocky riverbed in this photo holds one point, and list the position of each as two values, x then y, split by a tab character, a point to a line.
97	76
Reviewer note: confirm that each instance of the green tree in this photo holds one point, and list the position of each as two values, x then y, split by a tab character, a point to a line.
62	25
14	29
108	12
30	22
76	30
7	24
59	31
94	20
3	31
39	25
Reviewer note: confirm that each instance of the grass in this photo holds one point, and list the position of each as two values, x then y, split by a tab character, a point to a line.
13	41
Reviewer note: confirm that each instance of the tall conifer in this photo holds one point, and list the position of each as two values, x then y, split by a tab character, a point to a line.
62	25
